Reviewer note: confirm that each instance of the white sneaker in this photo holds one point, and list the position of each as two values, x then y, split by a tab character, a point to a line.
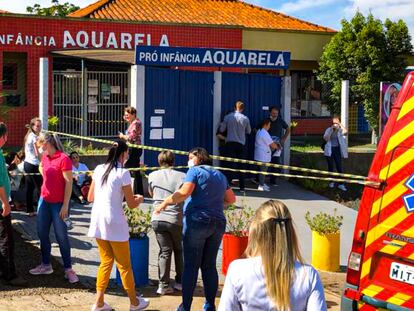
342	187
332	185
105	307
266	187
143	304
164	290
178	286
260	188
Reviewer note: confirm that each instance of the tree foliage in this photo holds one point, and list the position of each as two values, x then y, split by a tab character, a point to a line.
366	51
56	9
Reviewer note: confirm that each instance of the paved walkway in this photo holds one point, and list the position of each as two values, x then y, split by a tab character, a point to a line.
86	259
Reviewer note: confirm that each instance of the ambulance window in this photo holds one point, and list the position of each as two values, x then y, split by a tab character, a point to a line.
14	78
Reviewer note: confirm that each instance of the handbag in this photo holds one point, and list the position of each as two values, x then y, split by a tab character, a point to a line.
323	145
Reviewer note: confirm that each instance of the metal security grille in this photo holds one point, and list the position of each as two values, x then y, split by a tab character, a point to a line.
90	103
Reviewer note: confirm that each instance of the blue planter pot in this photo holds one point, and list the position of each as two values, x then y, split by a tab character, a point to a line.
139	249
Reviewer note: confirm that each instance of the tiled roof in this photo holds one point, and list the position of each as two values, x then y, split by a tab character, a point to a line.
201	12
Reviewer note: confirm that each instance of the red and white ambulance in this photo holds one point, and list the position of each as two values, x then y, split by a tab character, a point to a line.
380	274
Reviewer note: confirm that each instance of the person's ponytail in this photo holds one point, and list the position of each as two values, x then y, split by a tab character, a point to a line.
114	153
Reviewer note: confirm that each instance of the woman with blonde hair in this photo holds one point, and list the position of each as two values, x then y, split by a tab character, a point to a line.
273	276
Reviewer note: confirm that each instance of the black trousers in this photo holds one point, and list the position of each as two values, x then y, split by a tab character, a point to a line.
336	158
275	160
7	266
134	162
236	150
34	182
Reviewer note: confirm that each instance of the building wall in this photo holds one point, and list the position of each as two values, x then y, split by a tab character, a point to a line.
48	34
311	126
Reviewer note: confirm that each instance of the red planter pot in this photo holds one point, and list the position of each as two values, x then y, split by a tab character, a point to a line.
233	248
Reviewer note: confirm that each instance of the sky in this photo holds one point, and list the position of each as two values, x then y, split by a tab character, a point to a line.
323	12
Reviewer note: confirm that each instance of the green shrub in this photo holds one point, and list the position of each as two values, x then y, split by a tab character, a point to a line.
139	221
238	219
324	223
52	123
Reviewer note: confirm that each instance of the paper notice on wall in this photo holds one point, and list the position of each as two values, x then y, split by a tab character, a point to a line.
156	122
92	90
265	108
168	133
92	83
155	134
115	89
92	104
159	111
105	91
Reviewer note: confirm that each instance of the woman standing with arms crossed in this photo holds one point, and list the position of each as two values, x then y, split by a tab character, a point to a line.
273	277
133	136
31	163
110	183
206	192
56	169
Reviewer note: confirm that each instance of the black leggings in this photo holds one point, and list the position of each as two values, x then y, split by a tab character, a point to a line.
33	182
134	162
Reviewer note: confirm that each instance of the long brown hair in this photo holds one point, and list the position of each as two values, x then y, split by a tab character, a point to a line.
273	238
30	129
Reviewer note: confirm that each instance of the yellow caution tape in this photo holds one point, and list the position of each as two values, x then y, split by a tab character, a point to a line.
95	121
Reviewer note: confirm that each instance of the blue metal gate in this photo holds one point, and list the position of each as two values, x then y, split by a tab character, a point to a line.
184	101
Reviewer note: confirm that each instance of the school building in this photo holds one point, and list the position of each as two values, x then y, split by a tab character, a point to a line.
85	59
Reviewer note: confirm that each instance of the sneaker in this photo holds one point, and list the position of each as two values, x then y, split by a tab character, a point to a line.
180	308
143	304
41	269
164	290
266	186
331	185
262	188
105	307
342	187
71	276
178	286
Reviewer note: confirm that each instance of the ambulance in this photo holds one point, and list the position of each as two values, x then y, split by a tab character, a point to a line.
380	272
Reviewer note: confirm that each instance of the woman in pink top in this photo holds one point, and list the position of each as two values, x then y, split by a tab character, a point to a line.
133	136
56	169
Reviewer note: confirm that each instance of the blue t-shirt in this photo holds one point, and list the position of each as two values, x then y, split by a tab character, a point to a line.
208	194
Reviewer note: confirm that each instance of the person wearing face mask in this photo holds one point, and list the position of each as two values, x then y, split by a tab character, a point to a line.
206	193
263	147
111	182
279	131
336	148
56	169
31	163
133	136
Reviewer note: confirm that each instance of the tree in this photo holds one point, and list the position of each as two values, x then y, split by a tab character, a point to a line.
365	52
56	9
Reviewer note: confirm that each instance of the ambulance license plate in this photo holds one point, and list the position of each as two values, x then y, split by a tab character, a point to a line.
402	273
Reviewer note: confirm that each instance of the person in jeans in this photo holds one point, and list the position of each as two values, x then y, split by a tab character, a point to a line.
133	136
274	275
56	169
168	224
206	192
79	177
111	182
237	126
31	163
263	151
335	148
279	131
7	266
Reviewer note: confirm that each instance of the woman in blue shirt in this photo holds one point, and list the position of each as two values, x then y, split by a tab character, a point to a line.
206	192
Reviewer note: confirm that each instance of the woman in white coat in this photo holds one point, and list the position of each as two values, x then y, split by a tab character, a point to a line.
336	148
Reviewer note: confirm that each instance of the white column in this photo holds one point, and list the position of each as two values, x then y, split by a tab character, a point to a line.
44	91
286	101
216	111
138	96
345	105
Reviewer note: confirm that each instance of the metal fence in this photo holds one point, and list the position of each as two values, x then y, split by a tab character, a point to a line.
90	103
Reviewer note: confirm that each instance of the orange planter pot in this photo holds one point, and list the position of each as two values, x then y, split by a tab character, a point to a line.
233	248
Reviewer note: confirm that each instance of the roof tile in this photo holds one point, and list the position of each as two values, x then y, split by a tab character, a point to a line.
204	12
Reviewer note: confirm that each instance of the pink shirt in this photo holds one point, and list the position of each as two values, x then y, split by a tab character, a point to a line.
53	188
134	132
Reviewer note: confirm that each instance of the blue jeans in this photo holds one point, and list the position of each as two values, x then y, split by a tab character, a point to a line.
48	214
202	236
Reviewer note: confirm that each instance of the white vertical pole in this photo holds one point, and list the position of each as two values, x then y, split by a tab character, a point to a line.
218	76
138	96
286	101
345	106
44	91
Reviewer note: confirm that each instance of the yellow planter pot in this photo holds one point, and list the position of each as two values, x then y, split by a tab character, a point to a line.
325	251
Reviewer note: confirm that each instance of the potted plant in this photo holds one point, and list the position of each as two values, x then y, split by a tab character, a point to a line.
139	223
236	237
325	240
